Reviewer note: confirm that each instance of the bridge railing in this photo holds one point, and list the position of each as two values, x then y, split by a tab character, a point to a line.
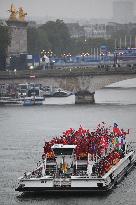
65	72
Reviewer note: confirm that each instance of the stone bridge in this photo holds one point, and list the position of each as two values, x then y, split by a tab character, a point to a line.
84	82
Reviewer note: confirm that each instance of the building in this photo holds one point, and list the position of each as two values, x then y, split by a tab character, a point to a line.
75	30
87	30
124	35
95	31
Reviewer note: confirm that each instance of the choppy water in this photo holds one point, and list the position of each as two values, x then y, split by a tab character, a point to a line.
22	134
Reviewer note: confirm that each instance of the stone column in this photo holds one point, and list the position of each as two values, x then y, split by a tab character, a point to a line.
18	31
84	97
18	47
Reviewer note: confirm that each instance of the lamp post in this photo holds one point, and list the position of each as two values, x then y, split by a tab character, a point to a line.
32	76
83	56
42	54
64	58
14	90
15	72
115	58
31	71
50	55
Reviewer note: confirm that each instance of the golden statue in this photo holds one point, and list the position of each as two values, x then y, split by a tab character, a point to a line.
13	13
22	14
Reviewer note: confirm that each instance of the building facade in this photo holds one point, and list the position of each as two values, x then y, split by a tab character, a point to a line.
87	30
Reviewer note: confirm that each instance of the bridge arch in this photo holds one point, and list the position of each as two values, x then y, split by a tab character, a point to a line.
83	83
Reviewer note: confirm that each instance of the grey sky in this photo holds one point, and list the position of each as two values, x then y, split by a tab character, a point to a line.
61	8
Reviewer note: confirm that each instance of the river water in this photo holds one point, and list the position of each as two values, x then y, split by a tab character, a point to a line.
24	129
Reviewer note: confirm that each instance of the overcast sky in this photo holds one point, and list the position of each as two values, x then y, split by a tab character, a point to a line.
61	8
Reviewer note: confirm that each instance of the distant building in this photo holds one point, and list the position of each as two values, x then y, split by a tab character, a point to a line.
75	30
87	30
123	11
95	31
124	34
113	27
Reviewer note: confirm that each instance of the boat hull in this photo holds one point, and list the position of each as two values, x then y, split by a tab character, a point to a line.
61	189
29	101
101	187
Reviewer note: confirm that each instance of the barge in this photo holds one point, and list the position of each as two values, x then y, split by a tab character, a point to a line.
81	161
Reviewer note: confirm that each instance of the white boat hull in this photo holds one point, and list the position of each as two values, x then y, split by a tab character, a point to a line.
80	183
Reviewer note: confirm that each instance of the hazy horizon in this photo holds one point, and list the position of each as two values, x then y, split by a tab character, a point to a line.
78	9
61	8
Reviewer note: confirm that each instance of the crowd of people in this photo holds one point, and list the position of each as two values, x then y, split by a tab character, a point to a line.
105	145
101	141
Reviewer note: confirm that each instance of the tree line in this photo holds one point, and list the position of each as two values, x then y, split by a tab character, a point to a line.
5	40
55	36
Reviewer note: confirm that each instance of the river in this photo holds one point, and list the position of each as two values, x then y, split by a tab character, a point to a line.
24	129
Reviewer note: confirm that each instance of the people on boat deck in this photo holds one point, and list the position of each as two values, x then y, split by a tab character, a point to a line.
101	141
25	175
105	143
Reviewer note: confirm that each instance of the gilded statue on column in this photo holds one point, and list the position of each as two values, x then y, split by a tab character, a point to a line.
22	14
13	13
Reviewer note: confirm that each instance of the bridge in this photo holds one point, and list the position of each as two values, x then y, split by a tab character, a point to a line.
83	81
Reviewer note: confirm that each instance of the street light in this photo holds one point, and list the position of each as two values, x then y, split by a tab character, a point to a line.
31	67
15	71
31	71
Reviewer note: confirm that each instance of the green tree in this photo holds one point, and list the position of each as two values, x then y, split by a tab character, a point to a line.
82	45
5	40
56	36
43	41
32	38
